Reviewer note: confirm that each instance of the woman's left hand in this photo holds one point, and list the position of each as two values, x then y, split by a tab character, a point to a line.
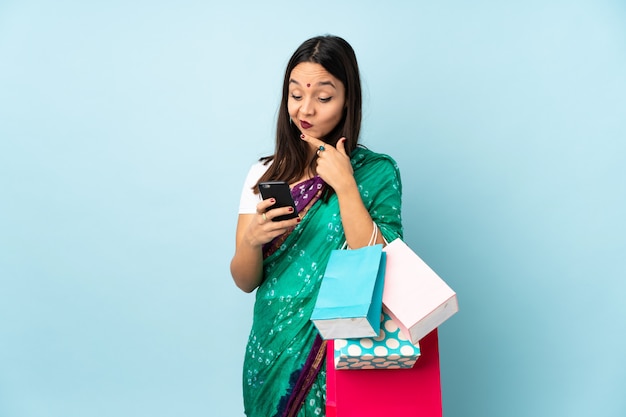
333	163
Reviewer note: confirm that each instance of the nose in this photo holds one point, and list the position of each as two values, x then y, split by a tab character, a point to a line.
308	107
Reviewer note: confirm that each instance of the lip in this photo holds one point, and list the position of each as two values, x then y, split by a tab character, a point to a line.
305	125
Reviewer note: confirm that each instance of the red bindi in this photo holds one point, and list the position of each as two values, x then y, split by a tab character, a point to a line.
308	85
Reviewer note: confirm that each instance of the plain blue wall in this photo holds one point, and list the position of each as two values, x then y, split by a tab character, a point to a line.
126	129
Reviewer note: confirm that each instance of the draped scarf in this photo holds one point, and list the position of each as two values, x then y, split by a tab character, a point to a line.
282	334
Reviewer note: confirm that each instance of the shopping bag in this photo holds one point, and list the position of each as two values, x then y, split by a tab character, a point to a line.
413	392
391	349
349	301
414	295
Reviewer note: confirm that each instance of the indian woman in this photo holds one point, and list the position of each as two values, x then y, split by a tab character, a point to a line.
342	191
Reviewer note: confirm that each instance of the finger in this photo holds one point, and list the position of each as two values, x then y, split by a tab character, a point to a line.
262	217
280	211
341	146
314	141
286	224
264	205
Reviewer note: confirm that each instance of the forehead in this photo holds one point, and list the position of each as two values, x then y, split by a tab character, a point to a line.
314	74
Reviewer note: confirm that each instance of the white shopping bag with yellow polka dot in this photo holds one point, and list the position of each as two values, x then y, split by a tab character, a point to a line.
390	350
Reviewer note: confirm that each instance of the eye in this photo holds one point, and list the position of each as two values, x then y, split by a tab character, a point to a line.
295	97
325	99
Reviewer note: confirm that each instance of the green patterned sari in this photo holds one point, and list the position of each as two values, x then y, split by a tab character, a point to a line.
282	334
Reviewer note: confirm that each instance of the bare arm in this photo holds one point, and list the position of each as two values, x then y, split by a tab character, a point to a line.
246	267
253	231
333	165
357	222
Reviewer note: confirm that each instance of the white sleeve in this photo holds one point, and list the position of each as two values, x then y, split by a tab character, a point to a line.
249	200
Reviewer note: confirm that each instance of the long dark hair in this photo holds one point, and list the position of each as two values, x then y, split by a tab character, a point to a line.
292	158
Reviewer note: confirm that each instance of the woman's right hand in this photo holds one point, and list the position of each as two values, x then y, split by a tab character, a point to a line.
253	231
262	229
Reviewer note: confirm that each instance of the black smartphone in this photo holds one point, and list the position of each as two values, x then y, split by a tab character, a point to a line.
279	190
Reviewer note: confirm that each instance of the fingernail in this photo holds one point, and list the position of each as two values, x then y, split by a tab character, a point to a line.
290	209
302	136
272	200
299	220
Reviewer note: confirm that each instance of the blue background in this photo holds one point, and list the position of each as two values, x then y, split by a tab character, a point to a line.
126	130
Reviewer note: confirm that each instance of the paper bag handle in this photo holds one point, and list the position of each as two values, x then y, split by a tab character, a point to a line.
372	241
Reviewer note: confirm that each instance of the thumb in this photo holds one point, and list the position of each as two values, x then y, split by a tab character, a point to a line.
341	146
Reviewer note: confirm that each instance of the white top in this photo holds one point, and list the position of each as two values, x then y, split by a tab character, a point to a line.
249	200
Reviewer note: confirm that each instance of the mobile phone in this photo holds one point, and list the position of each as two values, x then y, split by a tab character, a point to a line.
279	190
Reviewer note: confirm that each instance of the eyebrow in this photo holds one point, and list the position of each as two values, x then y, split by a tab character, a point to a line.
320	84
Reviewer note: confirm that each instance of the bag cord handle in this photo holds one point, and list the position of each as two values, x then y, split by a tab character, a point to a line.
373	238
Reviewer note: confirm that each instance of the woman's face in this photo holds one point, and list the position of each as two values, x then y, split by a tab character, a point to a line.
316	99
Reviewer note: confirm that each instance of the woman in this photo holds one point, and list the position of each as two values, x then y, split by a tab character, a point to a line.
342	191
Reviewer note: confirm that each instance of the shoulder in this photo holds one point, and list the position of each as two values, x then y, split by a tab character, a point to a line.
257	169
376	171
364	158
249	199
255	172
